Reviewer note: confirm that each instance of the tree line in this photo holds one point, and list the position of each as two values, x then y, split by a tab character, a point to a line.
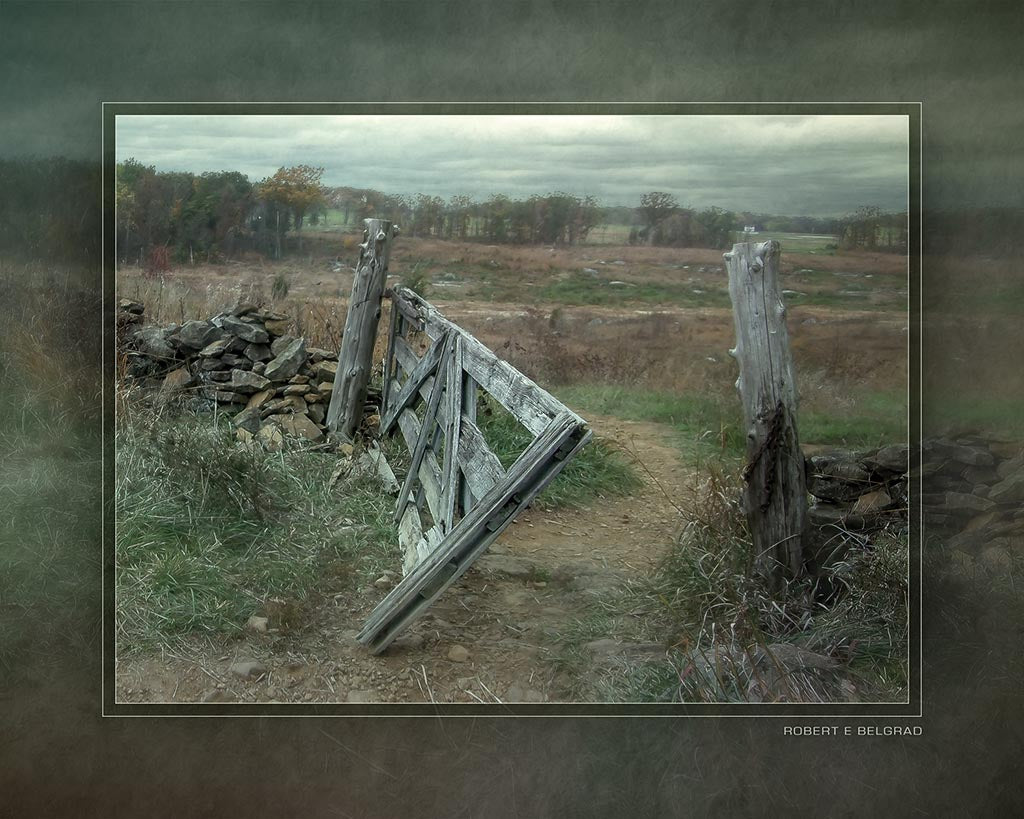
210	216
180	216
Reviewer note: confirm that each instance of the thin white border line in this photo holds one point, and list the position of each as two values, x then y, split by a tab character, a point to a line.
523	104
103	414
734	706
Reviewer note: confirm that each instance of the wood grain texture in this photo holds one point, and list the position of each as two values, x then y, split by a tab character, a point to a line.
539	464
424	436
775	490
355	361
424	368
532	406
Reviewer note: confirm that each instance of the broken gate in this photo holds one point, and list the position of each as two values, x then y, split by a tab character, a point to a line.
457	497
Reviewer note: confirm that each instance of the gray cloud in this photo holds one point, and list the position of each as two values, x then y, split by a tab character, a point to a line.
824	165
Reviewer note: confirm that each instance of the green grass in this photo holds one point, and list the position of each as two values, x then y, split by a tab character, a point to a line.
596	471
208	530
581	289
333	222
708	425
704	601
608	235
853	297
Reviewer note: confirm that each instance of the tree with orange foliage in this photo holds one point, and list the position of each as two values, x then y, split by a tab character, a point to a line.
296	191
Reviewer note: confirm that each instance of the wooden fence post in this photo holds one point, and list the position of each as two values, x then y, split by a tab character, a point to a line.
356	358
775	490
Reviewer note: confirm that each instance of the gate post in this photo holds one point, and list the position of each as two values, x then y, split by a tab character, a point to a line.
775	483
356	357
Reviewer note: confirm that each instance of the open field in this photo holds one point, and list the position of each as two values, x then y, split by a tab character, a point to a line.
636	340
814	244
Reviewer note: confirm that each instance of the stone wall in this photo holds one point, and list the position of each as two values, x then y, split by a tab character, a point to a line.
242	361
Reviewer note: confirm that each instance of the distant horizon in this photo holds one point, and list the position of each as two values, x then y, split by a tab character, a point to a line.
546	193
823	166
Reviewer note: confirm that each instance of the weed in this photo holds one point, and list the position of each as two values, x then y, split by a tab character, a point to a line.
279	289
209	530
728	638
417	280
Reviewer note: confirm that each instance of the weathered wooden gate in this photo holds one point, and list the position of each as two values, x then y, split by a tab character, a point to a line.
456	498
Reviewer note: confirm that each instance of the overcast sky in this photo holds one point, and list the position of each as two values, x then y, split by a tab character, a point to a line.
795	165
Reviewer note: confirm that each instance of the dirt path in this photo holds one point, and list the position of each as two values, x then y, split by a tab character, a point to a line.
484	640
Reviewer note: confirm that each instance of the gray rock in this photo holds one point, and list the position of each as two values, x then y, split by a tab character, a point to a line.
248	669
968	454
176	381
838	477
153	341
197	334
316	413
362	696
287	362
248	419
245	330
257	352
892	459
326	371
1010	490
236	361
458	654
278	344
960	502
216	348
212	364
1010	467
257	624
248	382
318	354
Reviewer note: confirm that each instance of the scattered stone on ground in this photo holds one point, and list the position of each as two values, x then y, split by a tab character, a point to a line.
458	654
248	669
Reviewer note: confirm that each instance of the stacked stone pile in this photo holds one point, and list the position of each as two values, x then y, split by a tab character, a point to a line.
858	491
241	361
973	491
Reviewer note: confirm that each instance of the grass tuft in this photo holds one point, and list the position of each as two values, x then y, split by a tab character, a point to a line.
209	530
